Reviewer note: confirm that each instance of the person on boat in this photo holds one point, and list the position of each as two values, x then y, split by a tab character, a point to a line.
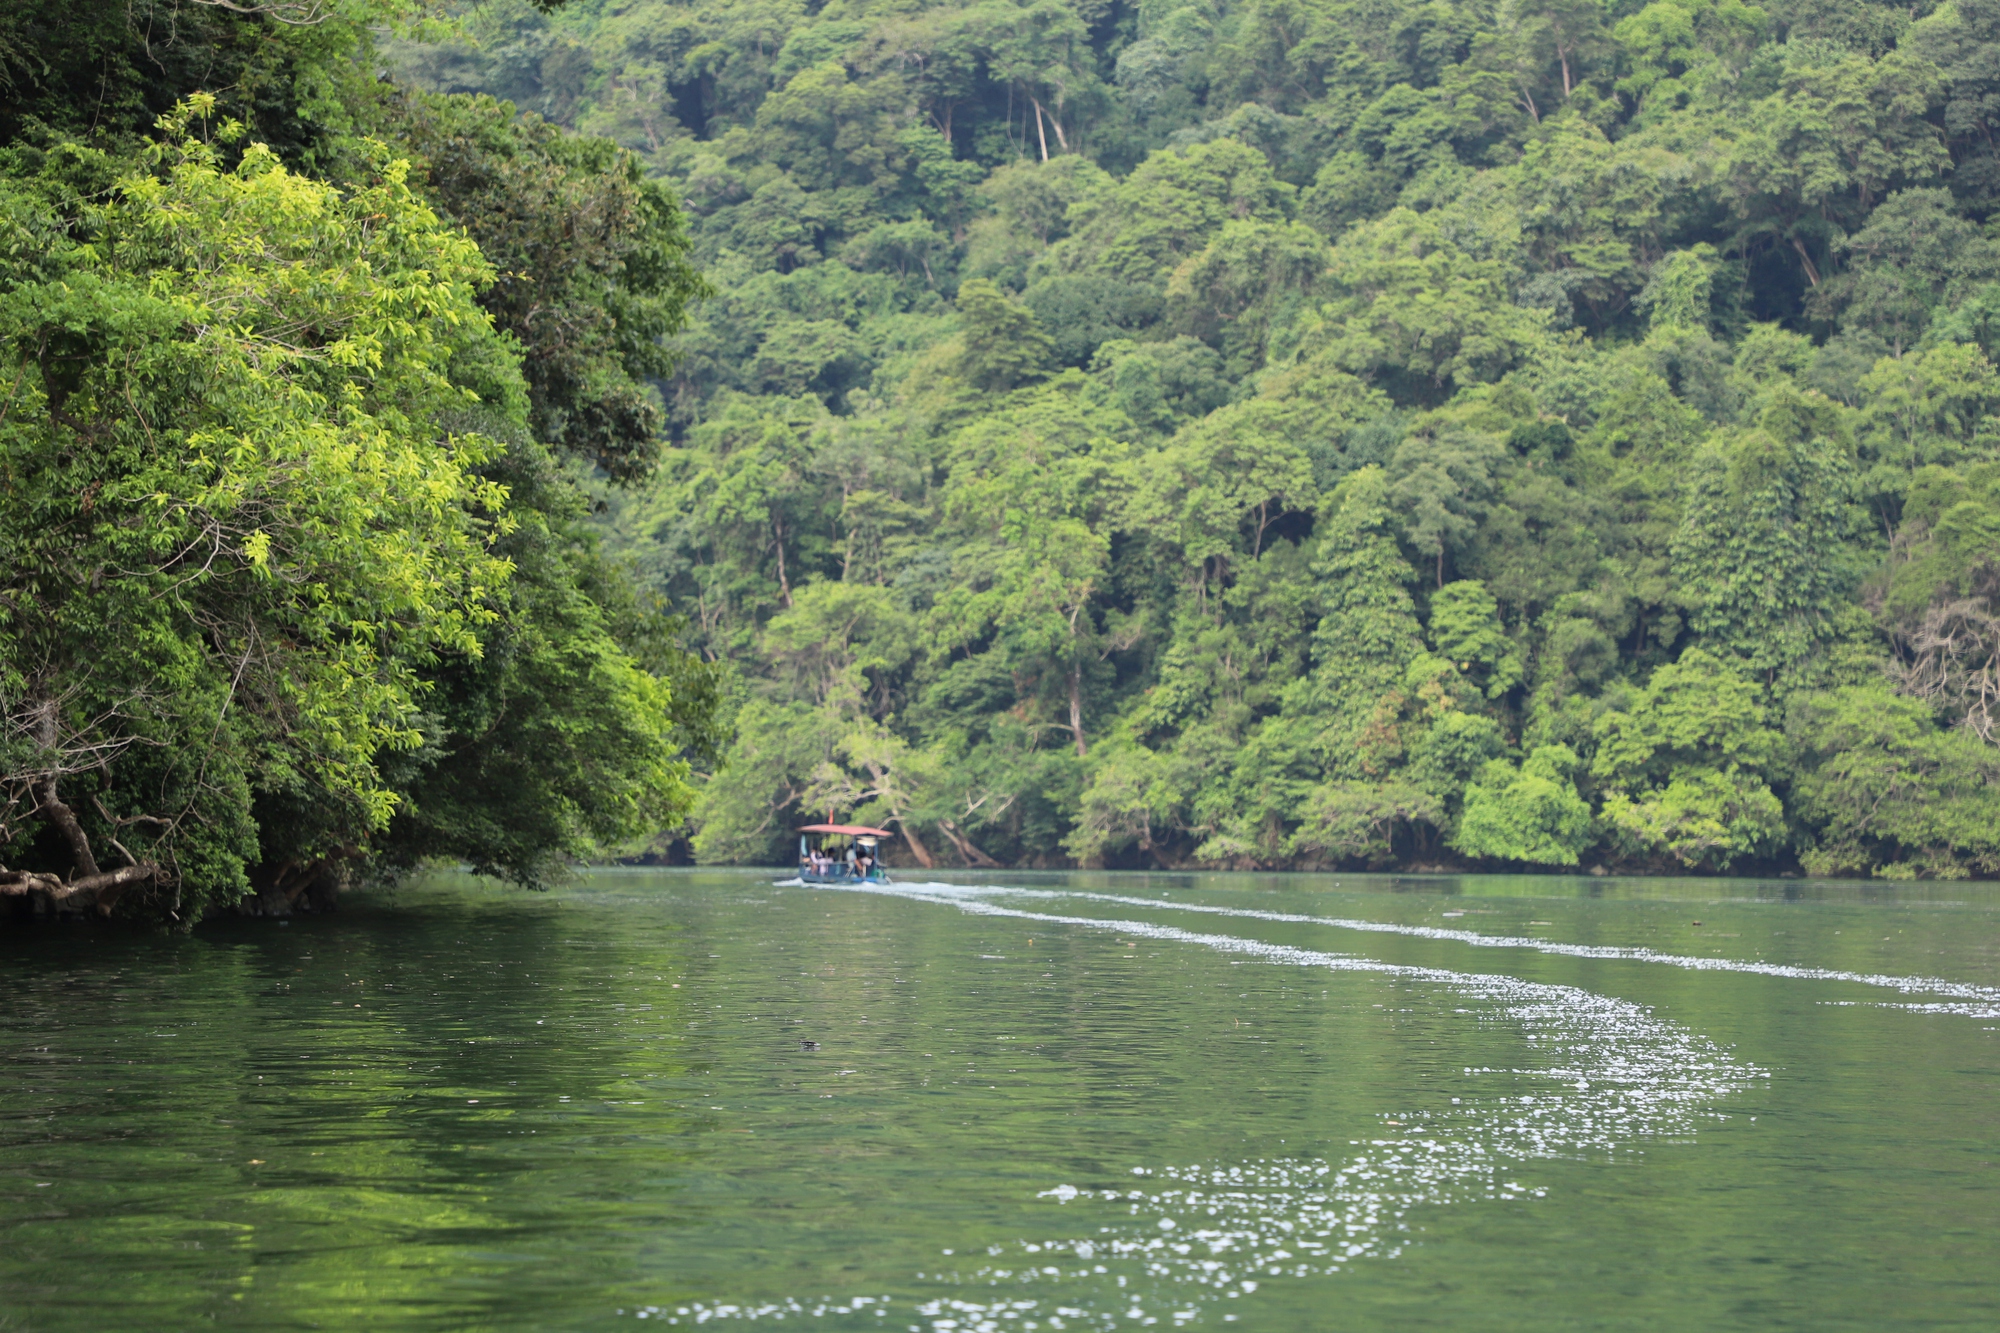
836	852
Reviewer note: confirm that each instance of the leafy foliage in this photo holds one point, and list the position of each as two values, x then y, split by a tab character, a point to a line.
1531	815
591	274
1329	433
295	562
1257	435
233	538
1271	440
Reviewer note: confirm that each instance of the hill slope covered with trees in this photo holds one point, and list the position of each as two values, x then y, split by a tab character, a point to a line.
1305	432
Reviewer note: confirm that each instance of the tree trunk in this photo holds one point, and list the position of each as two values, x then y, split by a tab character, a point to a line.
103	886
968	851
1062	140
1805	257
784	585
47	733
1076	706
917	848
65	820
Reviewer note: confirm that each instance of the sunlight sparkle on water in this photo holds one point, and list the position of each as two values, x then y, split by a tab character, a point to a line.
1216	1231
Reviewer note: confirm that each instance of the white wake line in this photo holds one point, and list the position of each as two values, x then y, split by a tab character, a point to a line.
965	901
1958	990
1634	1076
1276	953
1618	1077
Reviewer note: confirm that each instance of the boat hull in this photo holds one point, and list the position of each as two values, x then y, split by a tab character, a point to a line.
810	878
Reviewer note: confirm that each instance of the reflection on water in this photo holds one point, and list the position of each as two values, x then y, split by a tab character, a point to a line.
1082	1101
1620	1077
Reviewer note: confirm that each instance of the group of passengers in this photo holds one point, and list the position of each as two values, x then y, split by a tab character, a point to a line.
854	865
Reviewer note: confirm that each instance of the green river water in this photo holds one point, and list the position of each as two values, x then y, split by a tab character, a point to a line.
1080	1101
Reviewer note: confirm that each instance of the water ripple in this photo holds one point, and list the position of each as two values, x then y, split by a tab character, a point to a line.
1185	1240
1986	998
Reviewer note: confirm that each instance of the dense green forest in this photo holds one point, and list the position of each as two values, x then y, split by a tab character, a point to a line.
1277	434
1323	432
297	577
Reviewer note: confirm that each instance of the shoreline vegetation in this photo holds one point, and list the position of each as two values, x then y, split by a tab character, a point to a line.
1292	434
298	580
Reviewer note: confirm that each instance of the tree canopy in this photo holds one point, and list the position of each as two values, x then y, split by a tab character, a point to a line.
1282	434
296	572
1356	432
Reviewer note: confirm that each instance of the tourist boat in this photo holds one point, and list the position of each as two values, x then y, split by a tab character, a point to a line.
859	838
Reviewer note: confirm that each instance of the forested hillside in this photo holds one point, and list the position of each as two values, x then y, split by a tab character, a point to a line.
1307	432
1325	433
1274	435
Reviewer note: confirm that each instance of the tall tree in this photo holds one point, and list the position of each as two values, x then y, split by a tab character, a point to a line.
233	538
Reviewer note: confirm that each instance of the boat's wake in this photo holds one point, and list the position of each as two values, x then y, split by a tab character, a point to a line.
1179	1240
1974	1001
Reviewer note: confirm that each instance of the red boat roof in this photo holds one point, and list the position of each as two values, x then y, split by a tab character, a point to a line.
852	830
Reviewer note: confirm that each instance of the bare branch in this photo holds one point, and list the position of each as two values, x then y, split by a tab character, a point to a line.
1952	662
103	886
292	13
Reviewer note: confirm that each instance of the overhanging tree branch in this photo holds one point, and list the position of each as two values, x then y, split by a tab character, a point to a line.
292	13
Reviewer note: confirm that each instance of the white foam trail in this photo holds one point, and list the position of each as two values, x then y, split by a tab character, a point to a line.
1959	1010
1620	1076
1986	998
1218	1230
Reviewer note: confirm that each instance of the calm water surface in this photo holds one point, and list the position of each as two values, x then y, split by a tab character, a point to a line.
1080	1101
